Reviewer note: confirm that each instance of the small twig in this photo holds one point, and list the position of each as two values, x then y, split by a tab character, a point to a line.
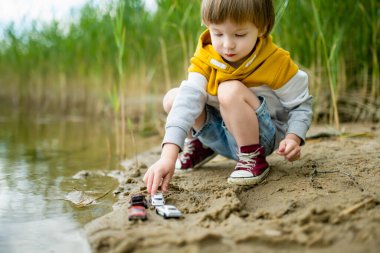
102	196
86	202
351	209
354	208
324	135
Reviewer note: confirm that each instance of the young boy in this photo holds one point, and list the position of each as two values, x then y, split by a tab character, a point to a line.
244	98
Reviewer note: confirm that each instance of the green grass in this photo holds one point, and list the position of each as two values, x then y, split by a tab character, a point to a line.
79	68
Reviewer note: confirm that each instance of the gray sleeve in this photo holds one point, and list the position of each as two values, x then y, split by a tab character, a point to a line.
299	120
189	102
295	98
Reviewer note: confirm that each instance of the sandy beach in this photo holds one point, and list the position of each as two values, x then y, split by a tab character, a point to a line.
328	201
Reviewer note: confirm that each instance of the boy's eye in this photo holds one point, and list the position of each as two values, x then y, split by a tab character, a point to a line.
240	35
218	34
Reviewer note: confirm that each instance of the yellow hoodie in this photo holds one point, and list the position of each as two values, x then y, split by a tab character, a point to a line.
268	64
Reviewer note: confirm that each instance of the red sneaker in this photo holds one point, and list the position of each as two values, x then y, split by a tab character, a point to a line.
252	166
194	155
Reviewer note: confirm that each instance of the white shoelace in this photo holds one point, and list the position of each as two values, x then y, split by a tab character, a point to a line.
246	160
187	149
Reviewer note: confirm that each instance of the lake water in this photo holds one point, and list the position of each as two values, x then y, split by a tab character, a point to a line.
39	155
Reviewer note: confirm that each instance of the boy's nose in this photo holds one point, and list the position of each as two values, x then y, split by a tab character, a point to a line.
228	44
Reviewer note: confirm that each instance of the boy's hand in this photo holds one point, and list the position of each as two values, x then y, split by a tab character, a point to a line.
160	173
290	147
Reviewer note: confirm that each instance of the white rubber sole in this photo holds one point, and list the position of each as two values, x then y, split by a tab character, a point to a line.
178	164
248	180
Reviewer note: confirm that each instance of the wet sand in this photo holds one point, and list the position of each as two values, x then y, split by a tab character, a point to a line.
329	201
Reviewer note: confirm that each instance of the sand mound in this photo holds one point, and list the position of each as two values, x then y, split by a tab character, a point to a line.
326	202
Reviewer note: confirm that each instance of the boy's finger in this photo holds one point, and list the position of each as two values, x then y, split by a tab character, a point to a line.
165	183
145	178
290	147
287	150
156	182
293	155
150	182
282	147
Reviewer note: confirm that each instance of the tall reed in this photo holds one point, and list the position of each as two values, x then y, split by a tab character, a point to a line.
117	91
329	56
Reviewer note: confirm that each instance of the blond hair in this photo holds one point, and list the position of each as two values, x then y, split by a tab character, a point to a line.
259	12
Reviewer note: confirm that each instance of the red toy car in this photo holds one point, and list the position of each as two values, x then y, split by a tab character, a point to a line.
138	200
137	213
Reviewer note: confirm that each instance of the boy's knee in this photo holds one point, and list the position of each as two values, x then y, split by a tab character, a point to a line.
169	99
229	91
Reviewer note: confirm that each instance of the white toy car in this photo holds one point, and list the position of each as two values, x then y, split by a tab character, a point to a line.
168	211
157	200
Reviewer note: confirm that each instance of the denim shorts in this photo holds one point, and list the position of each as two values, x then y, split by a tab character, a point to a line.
215	134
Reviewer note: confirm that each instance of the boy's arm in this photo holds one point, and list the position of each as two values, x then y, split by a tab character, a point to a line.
294	96
190	101
299	119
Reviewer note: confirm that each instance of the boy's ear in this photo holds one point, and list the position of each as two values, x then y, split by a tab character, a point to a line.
261	33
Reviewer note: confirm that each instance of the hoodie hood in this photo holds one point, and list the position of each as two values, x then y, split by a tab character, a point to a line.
267	64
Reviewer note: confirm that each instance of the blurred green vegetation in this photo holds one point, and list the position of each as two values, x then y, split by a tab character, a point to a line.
73	68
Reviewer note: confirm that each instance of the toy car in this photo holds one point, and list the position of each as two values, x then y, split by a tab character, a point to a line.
168	211
137	213
157	200
138	200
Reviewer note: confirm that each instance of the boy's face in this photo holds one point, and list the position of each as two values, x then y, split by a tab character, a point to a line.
233	41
